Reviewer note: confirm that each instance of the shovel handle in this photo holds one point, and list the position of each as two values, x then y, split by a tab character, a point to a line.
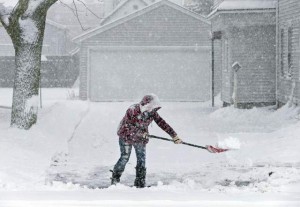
170	140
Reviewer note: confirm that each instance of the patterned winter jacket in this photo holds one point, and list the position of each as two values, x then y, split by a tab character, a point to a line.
137	119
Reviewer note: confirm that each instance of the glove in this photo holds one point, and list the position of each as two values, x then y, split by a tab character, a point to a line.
177	140
144	136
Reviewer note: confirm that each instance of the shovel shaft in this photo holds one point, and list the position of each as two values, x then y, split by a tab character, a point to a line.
170	140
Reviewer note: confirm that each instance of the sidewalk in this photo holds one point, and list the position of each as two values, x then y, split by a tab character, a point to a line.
141	197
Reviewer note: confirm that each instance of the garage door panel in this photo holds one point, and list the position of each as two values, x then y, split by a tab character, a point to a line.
117	75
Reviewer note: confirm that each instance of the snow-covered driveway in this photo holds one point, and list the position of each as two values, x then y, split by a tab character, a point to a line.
68	154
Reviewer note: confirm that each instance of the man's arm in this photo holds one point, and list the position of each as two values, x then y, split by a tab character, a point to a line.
167	128
164	125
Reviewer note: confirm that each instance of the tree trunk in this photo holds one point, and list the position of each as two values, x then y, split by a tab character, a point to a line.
28	50
26	87
25	24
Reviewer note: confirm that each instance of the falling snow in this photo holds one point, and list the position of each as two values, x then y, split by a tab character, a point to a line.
115	52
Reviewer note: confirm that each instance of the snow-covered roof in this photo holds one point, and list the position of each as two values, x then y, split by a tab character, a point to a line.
138	13
121	5
244	5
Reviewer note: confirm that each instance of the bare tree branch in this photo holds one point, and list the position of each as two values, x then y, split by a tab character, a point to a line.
74	11
18	11
77	16
89	9
4	15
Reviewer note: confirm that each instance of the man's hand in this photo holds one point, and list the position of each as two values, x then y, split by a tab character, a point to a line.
177	140
145	136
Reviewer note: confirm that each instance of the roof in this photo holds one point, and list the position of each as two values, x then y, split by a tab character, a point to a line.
55	24
6	40
121	5
243	5
136	14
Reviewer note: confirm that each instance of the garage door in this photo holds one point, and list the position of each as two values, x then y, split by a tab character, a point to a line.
128	74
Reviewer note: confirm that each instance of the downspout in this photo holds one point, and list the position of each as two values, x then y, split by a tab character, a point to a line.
277	54
212	69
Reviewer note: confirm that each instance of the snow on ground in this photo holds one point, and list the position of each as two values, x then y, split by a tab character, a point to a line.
65	159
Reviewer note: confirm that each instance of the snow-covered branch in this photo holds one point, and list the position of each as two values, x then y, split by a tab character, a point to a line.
24	9
32	7
18	11
4	15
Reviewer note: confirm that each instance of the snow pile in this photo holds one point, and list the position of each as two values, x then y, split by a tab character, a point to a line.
25	156
250	120
230	143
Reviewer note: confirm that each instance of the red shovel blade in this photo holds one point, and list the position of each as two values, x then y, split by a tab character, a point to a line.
215	149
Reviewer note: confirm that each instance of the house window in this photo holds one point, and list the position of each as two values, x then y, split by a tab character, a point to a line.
290	51
225	54
286	52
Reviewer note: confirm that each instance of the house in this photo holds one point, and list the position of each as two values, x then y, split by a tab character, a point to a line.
162	48
245	52
59	67
56	40
288	52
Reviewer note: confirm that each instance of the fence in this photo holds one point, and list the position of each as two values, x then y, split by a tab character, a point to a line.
56	71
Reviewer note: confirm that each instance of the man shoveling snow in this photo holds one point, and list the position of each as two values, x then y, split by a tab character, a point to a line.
133	131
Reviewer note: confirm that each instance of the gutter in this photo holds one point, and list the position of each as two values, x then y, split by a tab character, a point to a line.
277	53
234	11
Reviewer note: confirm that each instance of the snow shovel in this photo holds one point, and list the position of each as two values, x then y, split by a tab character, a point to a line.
207	147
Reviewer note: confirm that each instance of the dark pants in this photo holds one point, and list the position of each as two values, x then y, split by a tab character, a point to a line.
125	148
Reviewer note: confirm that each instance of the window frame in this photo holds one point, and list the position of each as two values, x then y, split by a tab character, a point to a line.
281	42
289	51
286	52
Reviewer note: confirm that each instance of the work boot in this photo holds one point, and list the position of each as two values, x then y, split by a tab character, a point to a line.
115	178
140	180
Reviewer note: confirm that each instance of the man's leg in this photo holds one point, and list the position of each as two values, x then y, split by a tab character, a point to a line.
119	167
140	180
